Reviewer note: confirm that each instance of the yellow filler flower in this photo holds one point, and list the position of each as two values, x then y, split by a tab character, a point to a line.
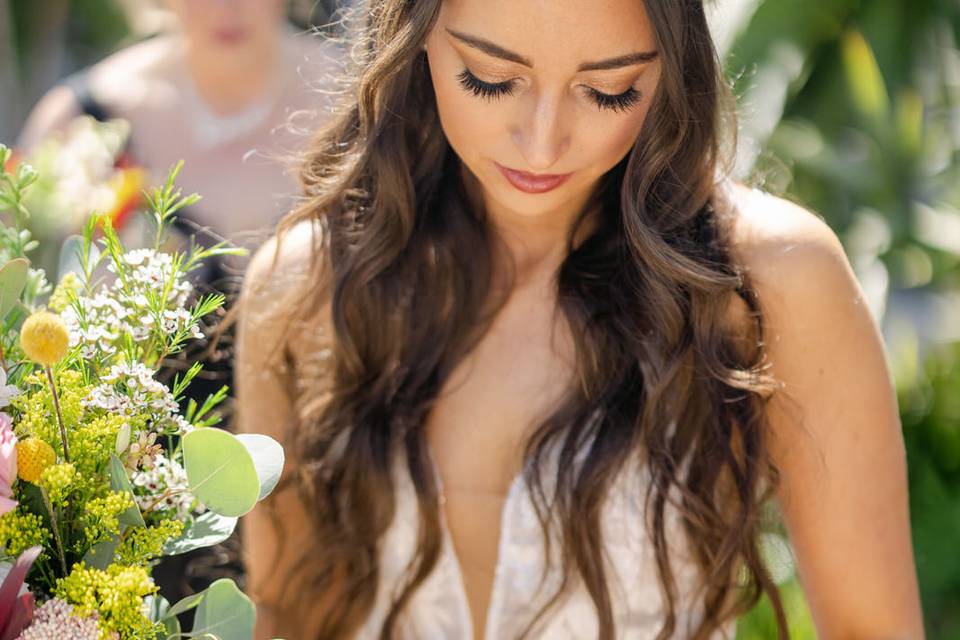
44	338
33	457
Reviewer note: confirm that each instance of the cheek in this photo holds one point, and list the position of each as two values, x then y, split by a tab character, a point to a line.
471	124
265	13
613	140
608	137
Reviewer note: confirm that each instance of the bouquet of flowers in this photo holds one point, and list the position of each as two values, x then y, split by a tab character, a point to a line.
100	474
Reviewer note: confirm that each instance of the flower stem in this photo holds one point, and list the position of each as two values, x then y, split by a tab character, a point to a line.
168	493
56	530
56	406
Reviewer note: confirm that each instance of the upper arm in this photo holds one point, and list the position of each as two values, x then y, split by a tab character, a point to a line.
835	428
278	529
53	113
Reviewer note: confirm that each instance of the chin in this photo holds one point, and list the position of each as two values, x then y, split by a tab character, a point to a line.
529	205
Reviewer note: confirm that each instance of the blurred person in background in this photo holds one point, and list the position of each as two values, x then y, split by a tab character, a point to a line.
228	90
222	91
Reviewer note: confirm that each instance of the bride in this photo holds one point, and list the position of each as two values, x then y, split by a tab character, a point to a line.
538	363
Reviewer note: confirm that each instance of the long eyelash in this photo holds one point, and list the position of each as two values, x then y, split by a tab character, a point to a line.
619	102
478	87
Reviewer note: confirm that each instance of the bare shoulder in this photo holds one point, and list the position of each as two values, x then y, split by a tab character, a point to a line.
284	307
144	57
121	82
793	258
284	264
139	75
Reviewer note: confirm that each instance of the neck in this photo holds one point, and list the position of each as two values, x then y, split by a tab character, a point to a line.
531	247
230	82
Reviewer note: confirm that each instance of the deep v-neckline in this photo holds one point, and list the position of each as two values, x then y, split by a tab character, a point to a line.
452	559
508	512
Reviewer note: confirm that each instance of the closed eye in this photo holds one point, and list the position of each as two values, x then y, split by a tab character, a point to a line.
619	102
489	90
492	90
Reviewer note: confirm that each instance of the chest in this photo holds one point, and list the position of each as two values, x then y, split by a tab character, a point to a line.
477	430
496	396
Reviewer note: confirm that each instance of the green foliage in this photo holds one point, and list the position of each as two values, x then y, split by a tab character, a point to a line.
13	278
204	531
221	471
930	405
762	625
224	612
853	109
869	138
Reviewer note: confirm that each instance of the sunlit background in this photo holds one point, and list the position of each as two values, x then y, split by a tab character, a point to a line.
849	107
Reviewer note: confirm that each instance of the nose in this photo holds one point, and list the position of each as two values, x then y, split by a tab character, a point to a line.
541	136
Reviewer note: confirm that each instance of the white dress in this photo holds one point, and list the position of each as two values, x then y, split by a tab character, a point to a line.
439	609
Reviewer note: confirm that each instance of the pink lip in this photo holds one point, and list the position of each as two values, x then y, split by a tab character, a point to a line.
533	182
230	35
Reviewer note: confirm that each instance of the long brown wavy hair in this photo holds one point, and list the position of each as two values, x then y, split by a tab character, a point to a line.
403	272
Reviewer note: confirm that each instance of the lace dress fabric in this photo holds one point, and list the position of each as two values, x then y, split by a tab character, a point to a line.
522	583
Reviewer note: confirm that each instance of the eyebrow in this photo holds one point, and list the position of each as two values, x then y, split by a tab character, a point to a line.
497	51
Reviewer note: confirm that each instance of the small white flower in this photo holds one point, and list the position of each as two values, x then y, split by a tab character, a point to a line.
138	256
184	426
165	474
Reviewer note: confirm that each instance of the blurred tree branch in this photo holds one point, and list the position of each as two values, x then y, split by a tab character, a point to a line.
9	89
41	45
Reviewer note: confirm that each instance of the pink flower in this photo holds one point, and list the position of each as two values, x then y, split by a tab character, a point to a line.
55	620
8	463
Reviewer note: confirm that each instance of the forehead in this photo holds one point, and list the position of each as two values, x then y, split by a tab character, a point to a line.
554	32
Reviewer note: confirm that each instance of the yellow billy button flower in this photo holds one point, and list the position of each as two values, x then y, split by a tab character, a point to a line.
44	338
33	457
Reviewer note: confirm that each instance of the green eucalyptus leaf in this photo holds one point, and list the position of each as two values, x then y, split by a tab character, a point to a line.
187	603
267	457
120	482
171	627
205	531
101	554
13	278
157	606
71	257
158	609
220	471
225	612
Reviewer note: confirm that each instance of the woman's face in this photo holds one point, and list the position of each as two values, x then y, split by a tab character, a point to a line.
540	98
230	27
